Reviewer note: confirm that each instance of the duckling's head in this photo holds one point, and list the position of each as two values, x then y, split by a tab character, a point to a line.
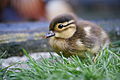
62	26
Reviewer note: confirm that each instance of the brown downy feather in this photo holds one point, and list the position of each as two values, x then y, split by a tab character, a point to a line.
77	38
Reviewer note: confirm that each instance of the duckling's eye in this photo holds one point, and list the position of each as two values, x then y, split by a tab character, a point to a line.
60	26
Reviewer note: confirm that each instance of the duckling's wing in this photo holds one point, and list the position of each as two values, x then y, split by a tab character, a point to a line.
90	36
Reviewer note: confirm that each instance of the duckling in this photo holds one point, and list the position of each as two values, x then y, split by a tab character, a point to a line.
71	36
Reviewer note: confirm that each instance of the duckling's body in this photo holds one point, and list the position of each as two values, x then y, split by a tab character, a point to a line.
80	37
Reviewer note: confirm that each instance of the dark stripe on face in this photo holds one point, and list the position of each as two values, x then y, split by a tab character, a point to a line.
69	24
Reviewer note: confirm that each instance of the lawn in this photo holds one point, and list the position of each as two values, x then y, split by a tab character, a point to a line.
106	67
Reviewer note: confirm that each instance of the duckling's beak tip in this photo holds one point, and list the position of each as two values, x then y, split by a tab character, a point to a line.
49	34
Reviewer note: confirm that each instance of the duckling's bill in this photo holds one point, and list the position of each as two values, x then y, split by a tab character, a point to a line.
50	34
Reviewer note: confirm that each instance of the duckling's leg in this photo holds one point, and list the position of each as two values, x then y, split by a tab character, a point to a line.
95	57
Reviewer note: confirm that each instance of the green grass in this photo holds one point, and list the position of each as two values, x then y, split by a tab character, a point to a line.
106	67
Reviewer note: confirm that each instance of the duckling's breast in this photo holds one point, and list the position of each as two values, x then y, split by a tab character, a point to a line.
58	44
66	47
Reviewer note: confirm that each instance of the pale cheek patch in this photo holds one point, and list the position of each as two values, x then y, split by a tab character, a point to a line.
67	33
87	30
